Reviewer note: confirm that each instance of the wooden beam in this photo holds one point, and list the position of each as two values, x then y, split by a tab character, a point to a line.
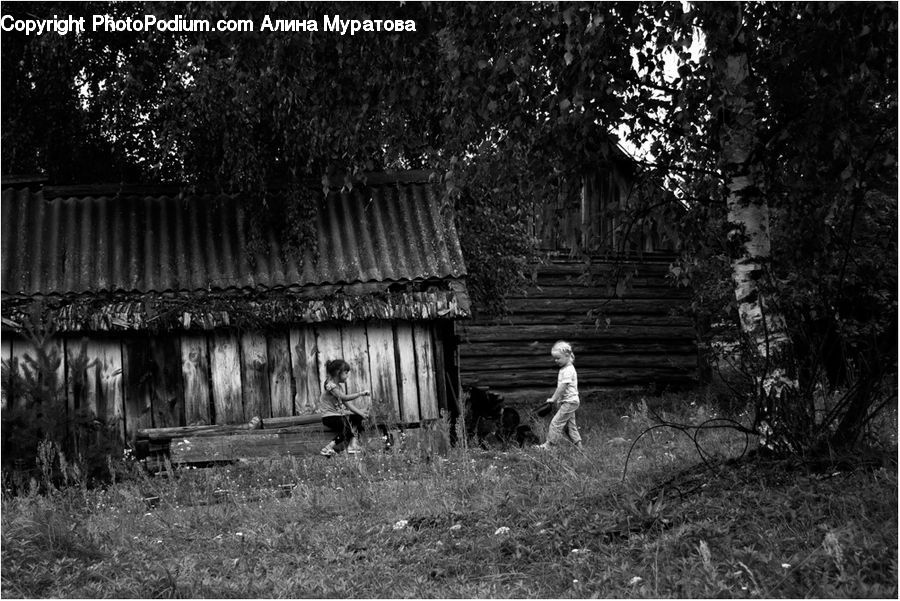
261	443
272	423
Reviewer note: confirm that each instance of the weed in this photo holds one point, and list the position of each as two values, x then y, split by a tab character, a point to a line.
465	523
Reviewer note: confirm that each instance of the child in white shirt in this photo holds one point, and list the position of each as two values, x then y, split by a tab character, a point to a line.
565	397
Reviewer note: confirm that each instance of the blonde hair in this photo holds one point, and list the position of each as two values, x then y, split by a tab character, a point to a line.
563	347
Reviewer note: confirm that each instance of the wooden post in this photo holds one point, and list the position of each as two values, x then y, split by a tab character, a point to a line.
255	375
305	368
195	379
280	382
225	367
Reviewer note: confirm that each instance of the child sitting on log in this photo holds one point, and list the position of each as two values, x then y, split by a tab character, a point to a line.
339	413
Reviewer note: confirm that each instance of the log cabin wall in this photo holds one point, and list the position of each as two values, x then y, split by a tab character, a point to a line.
639	333
599	213
139	381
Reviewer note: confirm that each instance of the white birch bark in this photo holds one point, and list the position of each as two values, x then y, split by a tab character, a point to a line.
748	215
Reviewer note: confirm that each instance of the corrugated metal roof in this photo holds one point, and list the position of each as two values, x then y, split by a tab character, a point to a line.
391	232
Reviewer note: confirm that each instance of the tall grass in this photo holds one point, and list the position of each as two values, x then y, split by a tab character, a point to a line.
476	523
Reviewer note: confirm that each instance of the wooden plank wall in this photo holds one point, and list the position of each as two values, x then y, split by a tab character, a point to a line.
592	215
144	381
640	340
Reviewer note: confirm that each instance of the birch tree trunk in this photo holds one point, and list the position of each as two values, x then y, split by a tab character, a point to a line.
748	217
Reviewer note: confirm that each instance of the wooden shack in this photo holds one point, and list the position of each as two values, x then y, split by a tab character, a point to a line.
165	314
605	244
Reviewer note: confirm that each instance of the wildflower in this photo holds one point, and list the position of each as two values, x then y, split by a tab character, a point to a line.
400	525
635	580
456	527
501	530
785	565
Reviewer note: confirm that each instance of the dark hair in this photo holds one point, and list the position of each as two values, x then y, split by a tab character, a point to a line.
336	366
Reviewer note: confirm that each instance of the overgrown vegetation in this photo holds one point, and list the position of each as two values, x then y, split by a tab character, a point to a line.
500	523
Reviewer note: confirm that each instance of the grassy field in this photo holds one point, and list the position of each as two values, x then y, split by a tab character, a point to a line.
476	523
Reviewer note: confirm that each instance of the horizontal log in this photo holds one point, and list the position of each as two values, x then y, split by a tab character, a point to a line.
582	361
603	282
568	305
524	397
187	431
603	292
586	378
203	449
573	318
551	333
584	347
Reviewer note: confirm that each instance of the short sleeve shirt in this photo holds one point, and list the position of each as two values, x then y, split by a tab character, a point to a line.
329	404
569	377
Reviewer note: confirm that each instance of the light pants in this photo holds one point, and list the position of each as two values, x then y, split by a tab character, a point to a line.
563	424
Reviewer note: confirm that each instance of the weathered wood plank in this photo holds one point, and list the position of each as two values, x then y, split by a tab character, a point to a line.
280	381
136	384
262	444
583	360
440	371
111	404
551	333
406	365
271	423
328	343
514	379
566	305
305	367
383	372
355	347
602	321
167	396
195	377
93	397
568	290
470	352
225	371
425	373
255	375
76	375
